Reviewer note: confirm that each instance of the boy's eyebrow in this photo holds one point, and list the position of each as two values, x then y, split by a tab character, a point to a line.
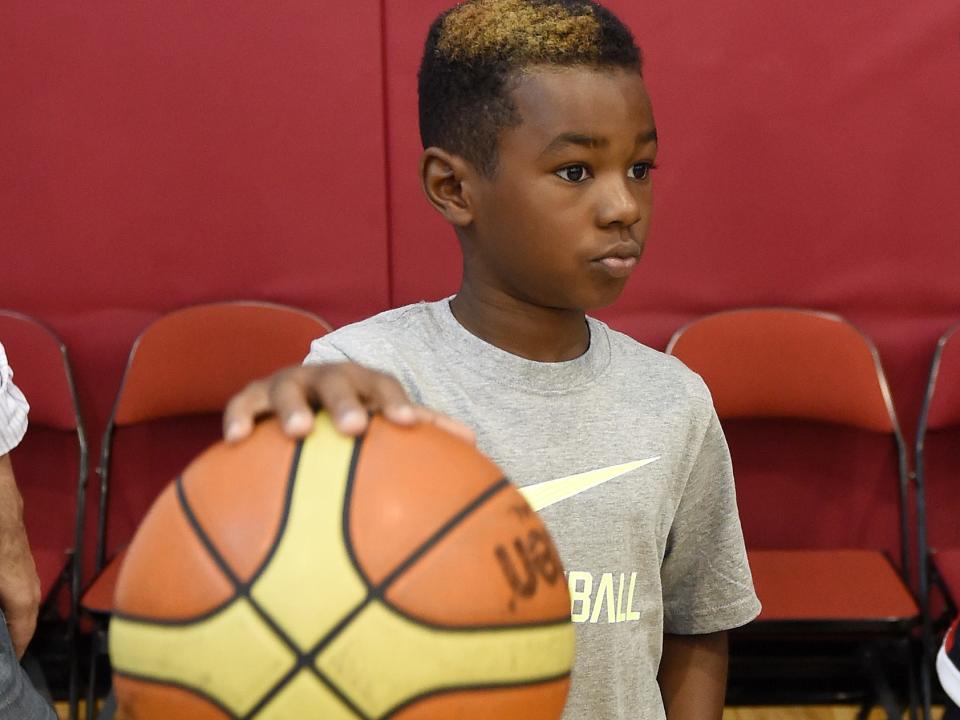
589	141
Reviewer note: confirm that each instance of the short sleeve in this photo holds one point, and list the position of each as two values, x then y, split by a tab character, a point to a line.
323	351
13	408
707	585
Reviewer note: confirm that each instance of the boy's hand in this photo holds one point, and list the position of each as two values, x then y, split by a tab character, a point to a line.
349	392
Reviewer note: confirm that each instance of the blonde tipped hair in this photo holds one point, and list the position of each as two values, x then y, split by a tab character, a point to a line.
476	49
519	29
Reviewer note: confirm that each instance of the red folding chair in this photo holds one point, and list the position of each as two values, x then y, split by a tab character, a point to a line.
180	374
822	485
938	481
51	469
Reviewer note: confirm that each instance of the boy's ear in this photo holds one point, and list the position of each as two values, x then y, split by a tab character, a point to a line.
447	181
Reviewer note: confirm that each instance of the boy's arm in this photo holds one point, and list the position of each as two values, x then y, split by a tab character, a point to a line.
693	676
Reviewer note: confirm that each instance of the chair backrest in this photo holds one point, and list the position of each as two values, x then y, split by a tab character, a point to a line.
51	462
789	363
941	407
39	360
809	418
193	360
938	449
181	371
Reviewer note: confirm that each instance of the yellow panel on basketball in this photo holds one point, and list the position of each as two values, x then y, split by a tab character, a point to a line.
382	660
232	656
305	597
306	695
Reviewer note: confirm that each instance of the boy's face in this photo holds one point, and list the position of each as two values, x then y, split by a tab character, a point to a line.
563	220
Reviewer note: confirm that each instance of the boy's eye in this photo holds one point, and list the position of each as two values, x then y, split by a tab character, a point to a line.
640	170
573	173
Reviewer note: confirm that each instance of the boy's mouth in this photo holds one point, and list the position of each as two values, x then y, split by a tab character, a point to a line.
618	266
620	261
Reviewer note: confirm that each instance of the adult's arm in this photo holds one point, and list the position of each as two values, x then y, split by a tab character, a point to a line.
19	583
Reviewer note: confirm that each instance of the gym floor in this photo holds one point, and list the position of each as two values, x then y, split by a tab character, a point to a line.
810	712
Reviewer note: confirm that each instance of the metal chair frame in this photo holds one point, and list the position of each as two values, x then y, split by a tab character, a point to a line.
928	576
897	633
74	568
98	644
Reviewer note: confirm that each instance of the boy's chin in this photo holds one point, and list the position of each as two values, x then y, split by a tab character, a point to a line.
605	298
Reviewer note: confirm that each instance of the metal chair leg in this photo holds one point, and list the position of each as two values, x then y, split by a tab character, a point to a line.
913	696
882	691
96	643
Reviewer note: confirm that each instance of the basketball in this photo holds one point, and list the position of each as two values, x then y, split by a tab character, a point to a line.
396	575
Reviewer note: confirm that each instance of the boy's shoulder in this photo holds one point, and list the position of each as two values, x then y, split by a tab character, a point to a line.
656	369
391	326
374	340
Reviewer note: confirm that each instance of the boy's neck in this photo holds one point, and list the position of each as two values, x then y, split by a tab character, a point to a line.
532	332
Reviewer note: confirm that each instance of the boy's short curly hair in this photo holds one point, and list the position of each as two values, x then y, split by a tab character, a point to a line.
474	50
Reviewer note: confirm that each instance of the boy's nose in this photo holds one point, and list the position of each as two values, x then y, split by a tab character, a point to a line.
618	204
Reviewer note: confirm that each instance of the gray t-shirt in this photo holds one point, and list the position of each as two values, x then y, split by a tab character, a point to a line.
651	541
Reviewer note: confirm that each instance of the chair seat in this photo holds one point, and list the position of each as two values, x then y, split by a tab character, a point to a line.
947	563
98	598
830	586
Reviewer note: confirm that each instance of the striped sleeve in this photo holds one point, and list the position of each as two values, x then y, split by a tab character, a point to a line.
13	408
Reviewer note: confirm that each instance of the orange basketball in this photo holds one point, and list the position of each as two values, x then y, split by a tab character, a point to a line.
398	575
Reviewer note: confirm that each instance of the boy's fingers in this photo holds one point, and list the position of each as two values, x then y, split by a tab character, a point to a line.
288	397
347	392
340	396
388	394
243	409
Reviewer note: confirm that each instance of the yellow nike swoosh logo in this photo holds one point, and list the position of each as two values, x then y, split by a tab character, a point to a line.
545	494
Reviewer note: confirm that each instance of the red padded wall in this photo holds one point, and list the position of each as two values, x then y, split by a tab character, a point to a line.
159	154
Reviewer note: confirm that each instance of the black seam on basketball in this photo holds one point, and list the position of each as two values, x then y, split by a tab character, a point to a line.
179	686
433	625
377	592
335	631
285	517
269	696
169	622
445	529
203	537
242	590
303	659
345	521
332	686
470	688
380	591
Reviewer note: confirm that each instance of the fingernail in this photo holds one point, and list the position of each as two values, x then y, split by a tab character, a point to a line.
402	413
352	419
235	431
297	423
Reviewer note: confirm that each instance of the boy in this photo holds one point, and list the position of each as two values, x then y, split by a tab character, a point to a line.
539	143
